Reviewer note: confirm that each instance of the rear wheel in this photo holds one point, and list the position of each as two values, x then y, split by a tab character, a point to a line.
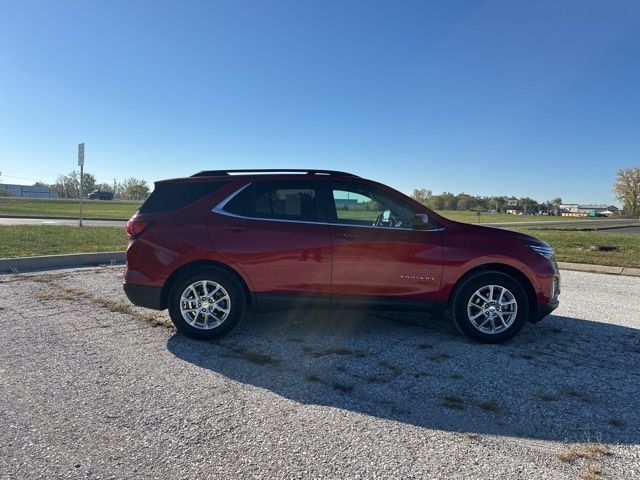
206	303
490	307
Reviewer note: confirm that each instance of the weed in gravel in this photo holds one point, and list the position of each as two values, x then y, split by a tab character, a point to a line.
341	368
394	368
327	351
341	387
313	378
527	356
456	376
43	277
424	346
360	354
547	397
375	379
616	422
421	374
472	436
490	405
556	329
453	402
591	473
589	450
578	394
296	340
252	356
440	356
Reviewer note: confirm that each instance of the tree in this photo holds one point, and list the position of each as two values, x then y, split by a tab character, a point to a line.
68	186
135	189
627	188
423	196
104	187
41	184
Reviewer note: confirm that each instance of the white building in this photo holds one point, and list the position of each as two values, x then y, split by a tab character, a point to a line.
577	210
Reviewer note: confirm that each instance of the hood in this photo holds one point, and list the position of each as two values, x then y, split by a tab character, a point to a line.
523	237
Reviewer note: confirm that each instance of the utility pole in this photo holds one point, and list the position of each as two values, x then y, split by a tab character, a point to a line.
81	165
114	188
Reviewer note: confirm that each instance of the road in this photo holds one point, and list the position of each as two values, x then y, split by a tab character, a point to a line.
93	388
597	223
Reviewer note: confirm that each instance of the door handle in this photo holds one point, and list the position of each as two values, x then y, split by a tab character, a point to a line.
235	228
349	236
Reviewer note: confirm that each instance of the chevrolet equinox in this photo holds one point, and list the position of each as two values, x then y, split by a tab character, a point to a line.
210	246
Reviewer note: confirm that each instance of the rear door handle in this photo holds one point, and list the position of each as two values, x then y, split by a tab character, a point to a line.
349	236
235	228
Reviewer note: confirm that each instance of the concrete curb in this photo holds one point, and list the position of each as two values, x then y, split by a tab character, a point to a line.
52	262
585	267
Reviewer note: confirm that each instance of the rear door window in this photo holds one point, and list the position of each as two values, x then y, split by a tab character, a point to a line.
279	200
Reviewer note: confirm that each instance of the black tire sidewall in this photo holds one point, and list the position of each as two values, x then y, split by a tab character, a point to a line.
227	281
470	286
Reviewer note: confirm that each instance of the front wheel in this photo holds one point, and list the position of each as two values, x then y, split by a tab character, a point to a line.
206	303
490	307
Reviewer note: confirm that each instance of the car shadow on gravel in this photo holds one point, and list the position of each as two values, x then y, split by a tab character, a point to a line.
563	379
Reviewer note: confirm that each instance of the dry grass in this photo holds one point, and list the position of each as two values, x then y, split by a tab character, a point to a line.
591	451
591	473
456	376
394	368
424	346
327	351
313	378
252	356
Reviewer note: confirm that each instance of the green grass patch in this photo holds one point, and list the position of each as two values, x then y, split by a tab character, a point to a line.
32	207
485	217
33	240
574	246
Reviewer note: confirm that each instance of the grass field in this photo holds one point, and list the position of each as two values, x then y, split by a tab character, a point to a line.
30	240
67	208
574	246
33	240
101	209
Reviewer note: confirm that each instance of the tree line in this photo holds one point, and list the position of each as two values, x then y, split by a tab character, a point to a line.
464	201
68	186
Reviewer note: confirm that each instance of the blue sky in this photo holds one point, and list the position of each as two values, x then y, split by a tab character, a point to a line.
488	97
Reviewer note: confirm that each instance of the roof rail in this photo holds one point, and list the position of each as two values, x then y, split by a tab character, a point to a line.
218	173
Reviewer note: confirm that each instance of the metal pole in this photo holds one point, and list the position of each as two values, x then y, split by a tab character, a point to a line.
81	175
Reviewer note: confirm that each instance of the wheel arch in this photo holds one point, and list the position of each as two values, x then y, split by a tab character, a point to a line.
200	264
520	277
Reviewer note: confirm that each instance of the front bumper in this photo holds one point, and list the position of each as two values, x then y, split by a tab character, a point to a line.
144	295
543	310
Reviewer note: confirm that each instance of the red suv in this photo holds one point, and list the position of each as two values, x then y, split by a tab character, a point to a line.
209	246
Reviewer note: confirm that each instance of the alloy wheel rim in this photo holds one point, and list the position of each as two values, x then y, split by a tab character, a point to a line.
492	309
205	304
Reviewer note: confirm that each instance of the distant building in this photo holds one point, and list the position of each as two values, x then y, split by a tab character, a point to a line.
27	191
577	210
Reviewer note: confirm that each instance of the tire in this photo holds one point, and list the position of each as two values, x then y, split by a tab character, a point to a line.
224	294
476	318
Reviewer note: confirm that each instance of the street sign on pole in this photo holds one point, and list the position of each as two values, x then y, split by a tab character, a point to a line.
81	165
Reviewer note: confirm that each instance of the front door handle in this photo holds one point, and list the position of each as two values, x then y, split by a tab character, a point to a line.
235	228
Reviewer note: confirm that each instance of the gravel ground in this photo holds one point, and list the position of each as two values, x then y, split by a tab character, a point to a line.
93	388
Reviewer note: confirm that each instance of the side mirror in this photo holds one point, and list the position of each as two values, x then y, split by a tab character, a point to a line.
420	221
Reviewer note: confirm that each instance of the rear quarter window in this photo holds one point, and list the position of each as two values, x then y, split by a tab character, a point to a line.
171	196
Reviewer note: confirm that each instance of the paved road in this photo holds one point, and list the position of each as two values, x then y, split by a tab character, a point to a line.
598	223
92	389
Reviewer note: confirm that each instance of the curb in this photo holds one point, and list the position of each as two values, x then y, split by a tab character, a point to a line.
52	262
585	267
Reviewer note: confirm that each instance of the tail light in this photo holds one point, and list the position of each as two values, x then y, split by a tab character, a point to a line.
135	226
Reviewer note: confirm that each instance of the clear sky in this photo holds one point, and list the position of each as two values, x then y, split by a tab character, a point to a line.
538	98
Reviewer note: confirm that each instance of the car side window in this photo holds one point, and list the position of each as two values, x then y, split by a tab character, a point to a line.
281	200
365	206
